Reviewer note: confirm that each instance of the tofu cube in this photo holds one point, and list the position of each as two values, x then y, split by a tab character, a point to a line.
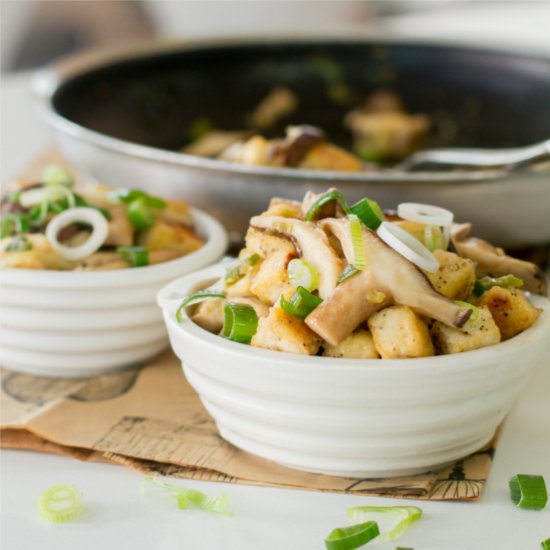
511	310
455	277
165	235
476	333
358	345
281	331
397	331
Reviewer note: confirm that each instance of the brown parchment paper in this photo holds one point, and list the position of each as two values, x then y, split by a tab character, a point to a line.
151	420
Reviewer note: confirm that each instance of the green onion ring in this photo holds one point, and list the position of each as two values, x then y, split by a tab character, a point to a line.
136	256
528	491
545	544
369	212
329	196
354	536
140	214
240	322
302	273
195	298
60	503
349	271
358	242
301	303
13	223
403	515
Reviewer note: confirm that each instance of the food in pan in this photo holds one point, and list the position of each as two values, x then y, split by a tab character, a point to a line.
322	277
52	224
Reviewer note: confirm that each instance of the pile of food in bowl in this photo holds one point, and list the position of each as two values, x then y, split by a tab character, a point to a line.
50	225
322	277
80	266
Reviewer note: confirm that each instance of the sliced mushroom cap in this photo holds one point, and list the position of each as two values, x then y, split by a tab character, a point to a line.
299	140
494	262
311	244
388	272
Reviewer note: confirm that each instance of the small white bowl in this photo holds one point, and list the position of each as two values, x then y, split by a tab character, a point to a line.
352	417
73	324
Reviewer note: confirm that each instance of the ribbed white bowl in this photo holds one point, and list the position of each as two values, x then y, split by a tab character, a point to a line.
73	324
352	417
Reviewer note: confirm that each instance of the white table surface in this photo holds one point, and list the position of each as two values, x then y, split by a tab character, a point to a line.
117	516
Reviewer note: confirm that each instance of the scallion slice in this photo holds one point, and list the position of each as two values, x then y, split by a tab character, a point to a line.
354	536
189	498
57	175
60	503
402	516
196	298
18	244
302	273
240	322
545	544
301	303
434	238
528	491
130	195
506	281
349	271
329	196
13	223
358	242
140	214
369	212
136	256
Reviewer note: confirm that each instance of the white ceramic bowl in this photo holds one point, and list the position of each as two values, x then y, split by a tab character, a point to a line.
352	417
62	323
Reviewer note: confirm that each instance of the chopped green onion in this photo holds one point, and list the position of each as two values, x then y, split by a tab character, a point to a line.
199	127
354	536
60	503
195	298
301	303
349	271
130	195
252	260
13	223
329	196
404	548
239	271
140	214
18	244
358	242
545	544
189	498
57	175
240	322
136	256
434	238
475	310
302	273
14	197
528	491
403	516
369	212
506	281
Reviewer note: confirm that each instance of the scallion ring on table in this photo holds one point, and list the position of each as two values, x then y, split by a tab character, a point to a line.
89	216
302	273
354	536
528	491
401	517
136	256
60	503
195	298
545	544
408	246
358	242
301	303
425	213
240	322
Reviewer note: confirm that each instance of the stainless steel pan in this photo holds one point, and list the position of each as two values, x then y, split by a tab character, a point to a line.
121	116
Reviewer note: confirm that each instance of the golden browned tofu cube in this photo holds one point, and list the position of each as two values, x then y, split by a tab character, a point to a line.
40	256
358	345
478	332
271	278
397	331
164	235
511	310
264	243
176	212
281	331
414	228
325	156
455	277
209	314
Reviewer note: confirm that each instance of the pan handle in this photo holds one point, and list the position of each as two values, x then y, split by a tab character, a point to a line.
518	157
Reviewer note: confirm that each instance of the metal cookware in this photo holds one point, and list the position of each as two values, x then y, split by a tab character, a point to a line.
122	117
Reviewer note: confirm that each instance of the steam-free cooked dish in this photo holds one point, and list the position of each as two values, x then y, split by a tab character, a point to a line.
52	224
322	277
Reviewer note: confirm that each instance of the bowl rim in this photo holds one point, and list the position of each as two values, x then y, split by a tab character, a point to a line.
212	249
46	82
264	358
